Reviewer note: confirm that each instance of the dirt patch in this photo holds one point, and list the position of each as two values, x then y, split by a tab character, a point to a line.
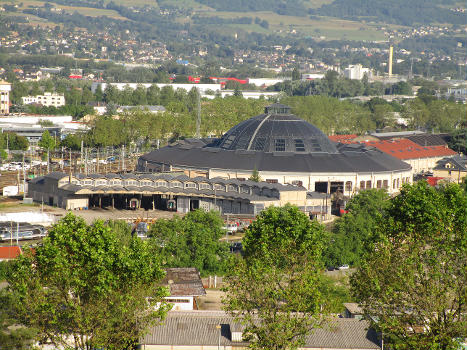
212	300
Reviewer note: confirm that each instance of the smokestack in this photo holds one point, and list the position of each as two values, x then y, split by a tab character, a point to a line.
391	50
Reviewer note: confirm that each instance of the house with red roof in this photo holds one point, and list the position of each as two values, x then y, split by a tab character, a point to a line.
10	252
421	158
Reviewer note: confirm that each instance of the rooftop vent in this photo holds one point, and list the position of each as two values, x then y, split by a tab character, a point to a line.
277	108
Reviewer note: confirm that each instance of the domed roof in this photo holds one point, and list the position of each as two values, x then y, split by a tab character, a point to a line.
277	130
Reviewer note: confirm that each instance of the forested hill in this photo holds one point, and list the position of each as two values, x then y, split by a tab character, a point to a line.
404	12
282	7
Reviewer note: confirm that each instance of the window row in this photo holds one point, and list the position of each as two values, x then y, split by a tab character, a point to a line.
161	183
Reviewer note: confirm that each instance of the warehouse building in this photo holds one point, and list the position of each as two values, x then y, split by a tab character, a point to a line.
170	192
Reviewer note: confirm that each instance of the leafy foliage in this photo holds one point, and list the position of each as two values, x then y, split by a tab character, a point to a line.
47	141
12	336
274	290
353	234
82	285
13	141
413	280
192	241
396	11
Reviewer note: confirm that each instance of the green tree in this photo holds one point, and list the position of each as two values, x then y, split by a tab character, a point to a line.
352	234
295	74
255	176
47	142
72	141
83	286
3	155
237	92
274	289
412	283
191	241
12	141
12	336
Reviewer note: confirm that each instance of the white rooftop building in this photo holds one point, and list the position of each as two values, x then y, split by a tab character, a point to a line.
356	72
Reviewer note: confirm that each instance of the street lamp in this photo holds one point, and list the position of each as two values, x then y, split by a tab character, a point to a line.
219	327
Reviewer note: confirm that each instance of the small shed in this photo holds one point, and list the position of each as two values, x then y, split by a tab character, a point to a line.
185	286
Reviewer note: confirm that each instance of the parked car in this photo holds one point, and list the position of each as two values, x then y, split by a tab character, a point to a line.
236	247
343	267
231	228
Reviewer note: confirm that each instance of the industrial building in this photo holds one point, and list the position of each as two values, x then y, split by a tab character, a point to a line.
357	72
171	192
283	149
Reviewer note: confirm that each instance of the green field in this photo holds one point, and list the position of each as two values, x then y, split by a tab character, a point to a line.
86	11
325	27
329	28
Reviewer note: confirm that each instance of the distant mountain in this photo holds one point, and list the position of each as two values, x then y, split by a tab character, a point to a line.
282	7
404	12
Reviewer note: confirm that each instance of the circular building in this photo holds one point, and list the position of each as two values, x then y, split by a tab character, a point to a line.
284	149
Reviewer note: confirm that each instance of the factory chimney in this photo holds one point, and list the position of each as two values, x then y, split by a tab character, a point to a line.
391	50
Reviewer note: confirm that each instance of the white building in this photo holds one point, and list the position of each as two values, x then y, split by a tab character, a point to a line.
356	72
265	82
48	99
203	88
459	93
247	94
5	89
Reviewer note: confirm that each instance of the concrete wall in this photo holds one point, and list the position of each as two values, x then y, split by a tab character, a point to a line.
76	203
181	303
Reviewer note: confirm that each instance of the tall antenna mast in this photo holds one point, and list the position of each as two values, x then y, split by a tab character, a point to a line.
198	119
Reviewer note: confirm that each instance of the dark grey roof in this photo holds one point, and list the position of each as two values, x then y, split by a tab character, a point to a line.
276	132
349	159
459	162
199	328
56	175
429	139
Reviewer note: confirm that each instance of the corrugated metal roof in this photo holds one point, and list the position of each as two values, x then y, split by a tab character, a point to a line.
199	328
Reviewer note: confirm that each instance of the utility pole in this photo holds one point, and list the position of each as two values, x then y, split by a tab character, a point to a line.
86	162
81	155
70	167
123	158
62	162
198	119
24	180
